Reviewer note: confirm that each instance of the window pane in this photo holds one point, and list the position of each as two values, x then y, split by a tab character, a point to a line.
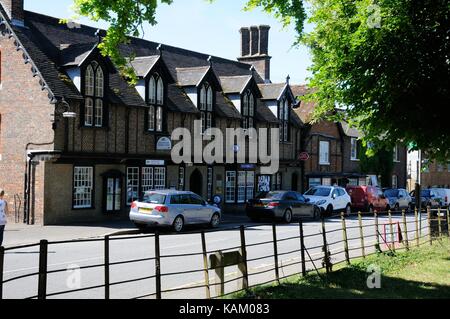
209	120
132	184
245	106
325	153
159	119
160	178
152	91
89	112
210	99
160	92
210	183
99	82
89	81
147	179
251	105
82	187
230	187
98	113
241	186
203	99
250	185
151	118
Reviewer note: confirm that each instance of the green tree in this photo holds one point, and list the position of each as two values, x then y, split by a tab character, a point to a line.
387	62
379	163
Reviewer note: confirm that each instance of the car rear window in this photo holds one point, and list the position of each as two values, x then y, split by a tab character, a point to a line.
271	195
154	198
319	191
391	192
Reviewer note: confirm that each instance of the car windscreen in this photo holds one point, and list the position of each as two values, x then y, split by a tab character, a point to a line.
391	193
319	191
271	195
154	198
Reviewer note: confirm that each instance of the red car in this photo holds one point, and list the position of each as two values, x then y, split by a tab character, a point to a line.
368	199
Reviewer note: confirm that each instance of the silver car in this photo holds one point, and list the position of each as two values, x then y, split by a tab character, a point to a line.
175	209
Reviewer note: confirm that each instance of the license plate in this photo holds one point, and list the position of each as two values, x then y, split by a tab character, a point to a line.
145	210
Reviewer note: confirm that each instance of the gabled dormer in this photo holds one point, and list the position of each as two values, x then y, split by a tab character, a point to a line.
153	81
201	85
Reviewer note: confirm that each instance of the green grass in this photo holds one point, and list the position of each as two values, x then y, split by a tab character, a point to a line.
420	273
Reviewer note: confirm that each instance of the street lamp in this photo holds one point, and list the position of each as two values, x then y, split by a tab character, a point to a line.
63	108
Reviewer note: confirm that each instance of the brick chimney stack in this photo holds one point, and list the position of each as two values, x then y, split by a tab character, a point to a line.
255	49
15	11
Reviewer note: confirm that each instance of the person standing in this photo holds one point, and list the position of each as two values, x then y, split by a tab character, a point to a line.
3	212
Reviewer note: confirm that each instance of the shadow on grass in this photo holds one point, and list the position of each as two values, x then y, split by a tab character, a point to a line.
351	283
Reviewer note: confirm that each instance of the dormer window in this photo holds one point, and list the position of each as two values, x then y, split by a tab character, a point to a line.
248	110
156	104
283	117
94	94
206	106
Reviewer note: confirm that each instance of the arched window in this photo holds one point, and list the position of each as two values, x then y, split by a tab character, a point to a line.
283	117
248	110
206	106
156	104
94	90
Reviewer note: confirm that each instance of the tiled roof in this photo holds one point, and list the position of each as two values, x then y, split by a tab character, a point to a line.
350	131
264	114
191	76
271	91
143	65
178	101
225	108
234	84
75	54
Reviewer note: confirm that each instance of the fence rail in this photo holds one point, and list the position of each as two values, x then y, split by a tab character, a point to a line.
311	252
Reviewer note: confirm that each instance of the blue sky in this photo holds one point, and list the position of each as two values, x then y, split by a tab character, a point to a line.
209	28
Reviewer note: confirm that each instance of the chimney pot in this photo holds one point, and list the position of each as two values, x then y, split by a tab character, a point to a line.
245	41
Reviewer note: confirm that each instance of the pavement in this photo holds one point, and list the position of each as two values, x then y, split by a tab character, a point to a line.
22	234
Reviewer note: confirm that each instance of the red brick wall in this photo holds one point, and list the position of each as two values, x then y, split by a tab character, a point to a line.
25	117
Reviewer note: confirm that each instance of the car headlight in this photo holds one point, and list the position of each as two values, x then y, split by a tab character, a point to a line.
321	202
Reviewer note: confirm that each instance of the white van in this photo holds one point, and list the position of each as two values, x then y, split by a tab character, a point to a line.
444	196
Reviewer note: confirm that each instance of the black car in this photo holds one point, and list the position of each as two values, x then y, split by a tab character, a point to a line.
284	205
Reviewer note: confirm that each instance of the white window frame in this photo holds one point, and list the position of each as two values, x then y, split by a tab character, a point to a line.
396	154
230	186
209	186
324	153
83	187
159	178
132	176
354	149
394	181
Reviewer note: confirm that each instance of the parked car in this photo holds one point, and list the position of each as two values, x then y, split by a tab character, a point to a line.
398	198
284	205
175	209
428	198
368	198
443	196
330	199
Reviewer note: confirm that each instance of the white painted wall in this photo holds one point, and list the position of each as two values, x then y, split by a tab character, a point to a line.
236	100
273	106
75	76
140	88
192	94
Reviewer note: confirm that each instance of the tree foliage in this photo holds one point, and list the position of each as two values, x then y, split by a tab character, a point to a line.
385	61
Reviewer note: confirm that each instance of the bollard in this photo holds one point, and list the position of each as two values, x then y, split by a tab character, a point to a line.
243	265
344	233
405	226
325	248
157	266
361	234
107	290
417	227
275	252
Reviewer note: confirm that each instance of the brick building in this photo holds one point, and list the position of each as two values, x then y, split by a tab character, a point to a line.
78	143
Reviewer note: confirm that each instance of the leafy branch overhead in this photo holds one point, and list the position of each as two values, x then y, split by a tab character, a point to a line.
385	63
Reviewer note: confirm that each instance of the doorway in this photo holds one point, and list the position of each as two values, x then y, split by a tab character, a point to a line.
196	182
294	183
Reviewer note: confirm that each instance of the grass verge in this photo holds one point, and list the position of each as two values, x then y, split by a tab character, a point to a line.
419	273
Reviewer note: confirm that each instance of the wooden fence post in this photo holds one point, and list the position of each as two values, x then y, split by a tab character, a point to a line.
42	281
391	229
405	227
377	230
325	248
439	223
275	252
429	225
2	263
244	266
417	227
107	290
205	266
448	222
157	266
361	234
344	233
302	248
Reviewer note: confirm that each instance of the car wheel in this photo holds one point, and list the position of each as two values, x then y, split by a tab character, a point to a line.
330	210
215	221
388	208
316	213
396	207
178	224
370	209
348	210
287	218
